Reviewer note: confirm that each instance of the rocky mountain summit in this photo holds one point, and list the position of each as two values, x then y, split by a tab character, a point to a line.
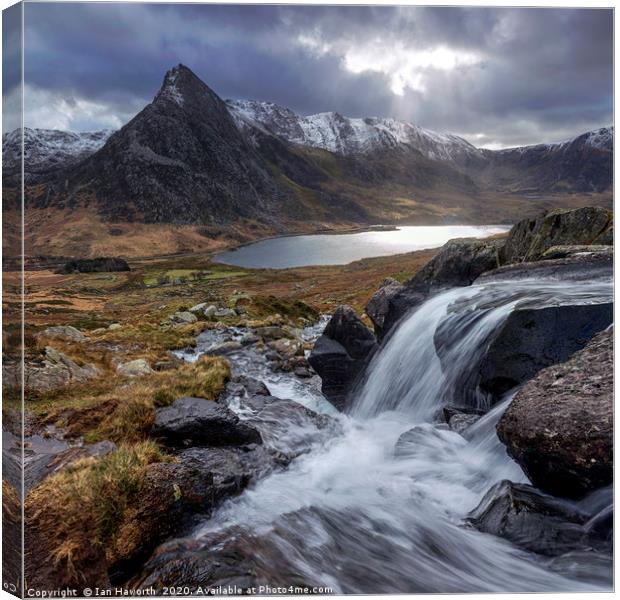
190	157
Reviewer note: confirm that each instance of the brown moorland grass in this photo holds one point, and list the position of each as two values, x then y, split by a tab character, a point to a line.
81	508
122	409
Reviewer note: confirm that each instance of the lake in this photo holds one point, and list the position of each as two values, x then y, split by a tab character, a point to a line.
340	249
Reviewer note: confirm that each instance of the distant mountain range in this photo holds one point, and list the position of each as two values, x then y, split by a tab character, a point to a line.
191	157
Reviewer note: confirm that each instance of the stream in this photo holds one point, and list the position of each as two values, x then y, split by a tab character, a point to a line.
369	511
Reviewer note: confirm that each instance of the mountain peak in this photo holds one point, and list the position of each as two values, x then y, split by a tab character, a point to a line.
179	83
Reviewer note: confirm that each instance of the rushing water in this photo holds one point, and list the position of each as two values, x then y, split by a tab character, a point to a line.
366	513
338	249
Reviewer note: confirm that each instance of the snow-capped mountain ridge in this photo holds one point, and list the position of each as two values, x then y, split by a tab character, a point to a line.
48	149
344	135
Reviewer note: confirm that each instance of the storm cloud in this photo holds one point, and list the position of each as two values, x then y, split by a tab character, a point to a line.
498	76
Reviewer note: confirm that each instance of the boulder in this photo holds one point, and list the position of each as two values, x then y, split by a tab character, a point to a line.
199	422
222	313
529	239
210	311
56	370
134	368
530	519
183	317
198	308
379	304
115	326
529	340
559	426
532	339
458	263
341	353
287	348
64	332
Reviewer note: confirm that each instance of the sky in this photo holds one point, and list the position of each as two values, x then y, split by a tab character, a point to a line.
499	77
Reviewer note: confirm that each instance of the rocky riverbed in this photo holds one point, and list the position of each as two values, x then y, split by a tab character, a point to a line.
315	452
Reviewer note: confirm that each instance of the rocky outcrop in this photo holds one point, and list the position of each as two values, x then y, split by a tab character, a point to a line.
559	426
341	353
63	332
580	266
535	521
459	263
529	239
53	370
199	422
104	264
571	250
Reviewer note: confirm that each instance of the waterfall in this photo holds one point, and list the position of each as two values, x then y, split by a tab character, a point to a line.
407	374
376	511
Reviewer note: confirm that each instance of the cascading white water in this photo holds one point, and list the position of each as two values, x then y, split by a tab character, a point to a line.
360	517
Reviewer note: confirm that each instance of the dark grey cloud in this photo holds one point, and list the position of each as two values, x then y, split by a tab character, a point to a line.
497	76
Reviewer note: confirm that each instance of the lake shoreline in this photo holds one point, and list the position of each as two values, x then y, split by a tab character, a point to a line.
325	251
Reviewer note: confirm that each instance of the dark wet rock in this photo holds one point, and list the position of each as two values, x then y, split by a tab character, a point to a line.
199	422
46	457
43	455
233	469
530	238
530	519
529	340
234	559
532	339
459	263
341	353
105	264
559	426
243	386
